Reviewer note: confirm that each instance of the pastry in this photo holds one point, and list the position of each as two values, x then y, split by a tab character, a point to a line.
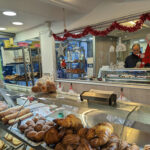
2	144
70	121
10	111
49	123
16	141
23	127
133	147
13	121
38	127
51	136
60	146
8	137
28	130
61	133
69	131
16	114
36	89
35	119
69	147
90	134
31	135
71	139
82	132
123	145
103	131
147	147
30	123
39	136
45	128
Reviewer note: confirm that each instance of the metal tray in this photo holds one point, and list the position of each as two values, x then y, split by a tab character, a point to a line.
11	144
6	145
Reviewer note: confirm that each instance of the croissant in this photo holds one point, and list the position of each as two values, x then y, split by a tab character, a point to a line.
133	147
51	136
82	132
71	139
59	146
103	131
70	121
90	134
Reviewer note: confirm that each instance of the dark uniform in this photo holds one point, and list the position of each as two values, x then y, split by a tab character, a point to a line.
131	61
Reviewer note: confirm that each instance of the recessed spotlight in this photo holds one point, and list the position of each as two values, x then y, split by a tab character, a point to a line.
18	23
9	13
2	29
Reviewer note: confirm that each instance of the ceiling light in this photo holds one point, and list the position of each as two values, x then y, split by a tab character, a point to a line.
142	40
2	29
18	23
132	22
9	13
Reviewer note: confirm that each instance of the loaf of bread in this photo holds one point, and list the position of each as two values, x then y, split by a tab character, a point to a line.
16	114
10	111
13	121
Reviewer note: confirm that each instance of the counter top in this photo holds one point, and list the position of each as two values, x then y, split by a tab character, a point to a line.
102	83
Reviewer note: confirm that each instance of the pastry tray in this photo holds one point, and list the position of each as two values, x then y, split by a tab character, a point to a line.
11	144
37	145
6	145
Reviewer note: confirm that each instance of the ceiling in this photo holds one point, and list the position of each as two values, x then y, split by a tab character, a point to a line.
35	12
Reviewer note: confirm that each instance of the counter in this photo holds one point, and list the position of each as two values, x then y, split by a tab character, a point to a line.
134	92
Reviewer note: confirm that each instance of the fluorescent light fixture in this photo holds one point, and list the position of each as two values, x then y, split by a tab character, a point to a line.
9	13
142	40
2	29
17	23
136	42
132	22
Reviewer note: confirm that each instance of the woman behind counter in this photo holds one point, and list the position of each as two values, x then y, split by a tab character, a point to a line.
132	60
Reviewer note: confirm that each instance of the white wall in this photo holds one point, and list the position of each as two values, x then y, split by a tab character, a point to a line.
31	33
107	10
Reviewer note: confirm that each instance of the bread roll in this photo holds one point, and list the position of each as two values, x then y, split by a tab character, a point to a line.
10	111
3	106
49	123
36	89
13	121
17	114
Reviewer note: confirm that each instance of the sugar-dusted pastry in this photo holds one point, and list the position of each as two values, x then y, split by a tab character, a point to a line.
2	144
8	137
15	141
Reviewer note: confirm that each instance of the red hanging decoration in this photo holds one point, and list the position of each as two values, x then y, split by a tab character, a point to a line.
113	26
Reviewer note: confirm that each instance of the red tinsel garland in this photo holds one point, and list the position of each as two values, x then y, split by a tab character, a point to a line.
113	26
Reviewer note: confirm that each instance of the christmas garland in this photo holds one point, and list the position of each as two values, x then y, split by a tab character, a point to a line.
113	26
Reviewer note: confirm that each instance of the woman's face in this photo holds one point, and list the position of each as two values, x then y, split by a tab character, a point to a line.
136	50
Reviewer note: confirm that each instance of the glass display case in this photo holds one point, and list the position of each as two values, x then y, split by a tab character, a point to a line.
133	75
131	121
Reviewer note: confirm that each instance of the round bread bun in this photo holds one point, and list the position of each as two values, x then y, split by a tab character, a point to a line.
31	135
39	84
35	89
39	136
23	127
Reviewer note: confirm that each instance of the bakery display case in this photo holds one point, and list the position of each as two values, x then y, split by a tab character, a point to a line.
133	75
130	121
